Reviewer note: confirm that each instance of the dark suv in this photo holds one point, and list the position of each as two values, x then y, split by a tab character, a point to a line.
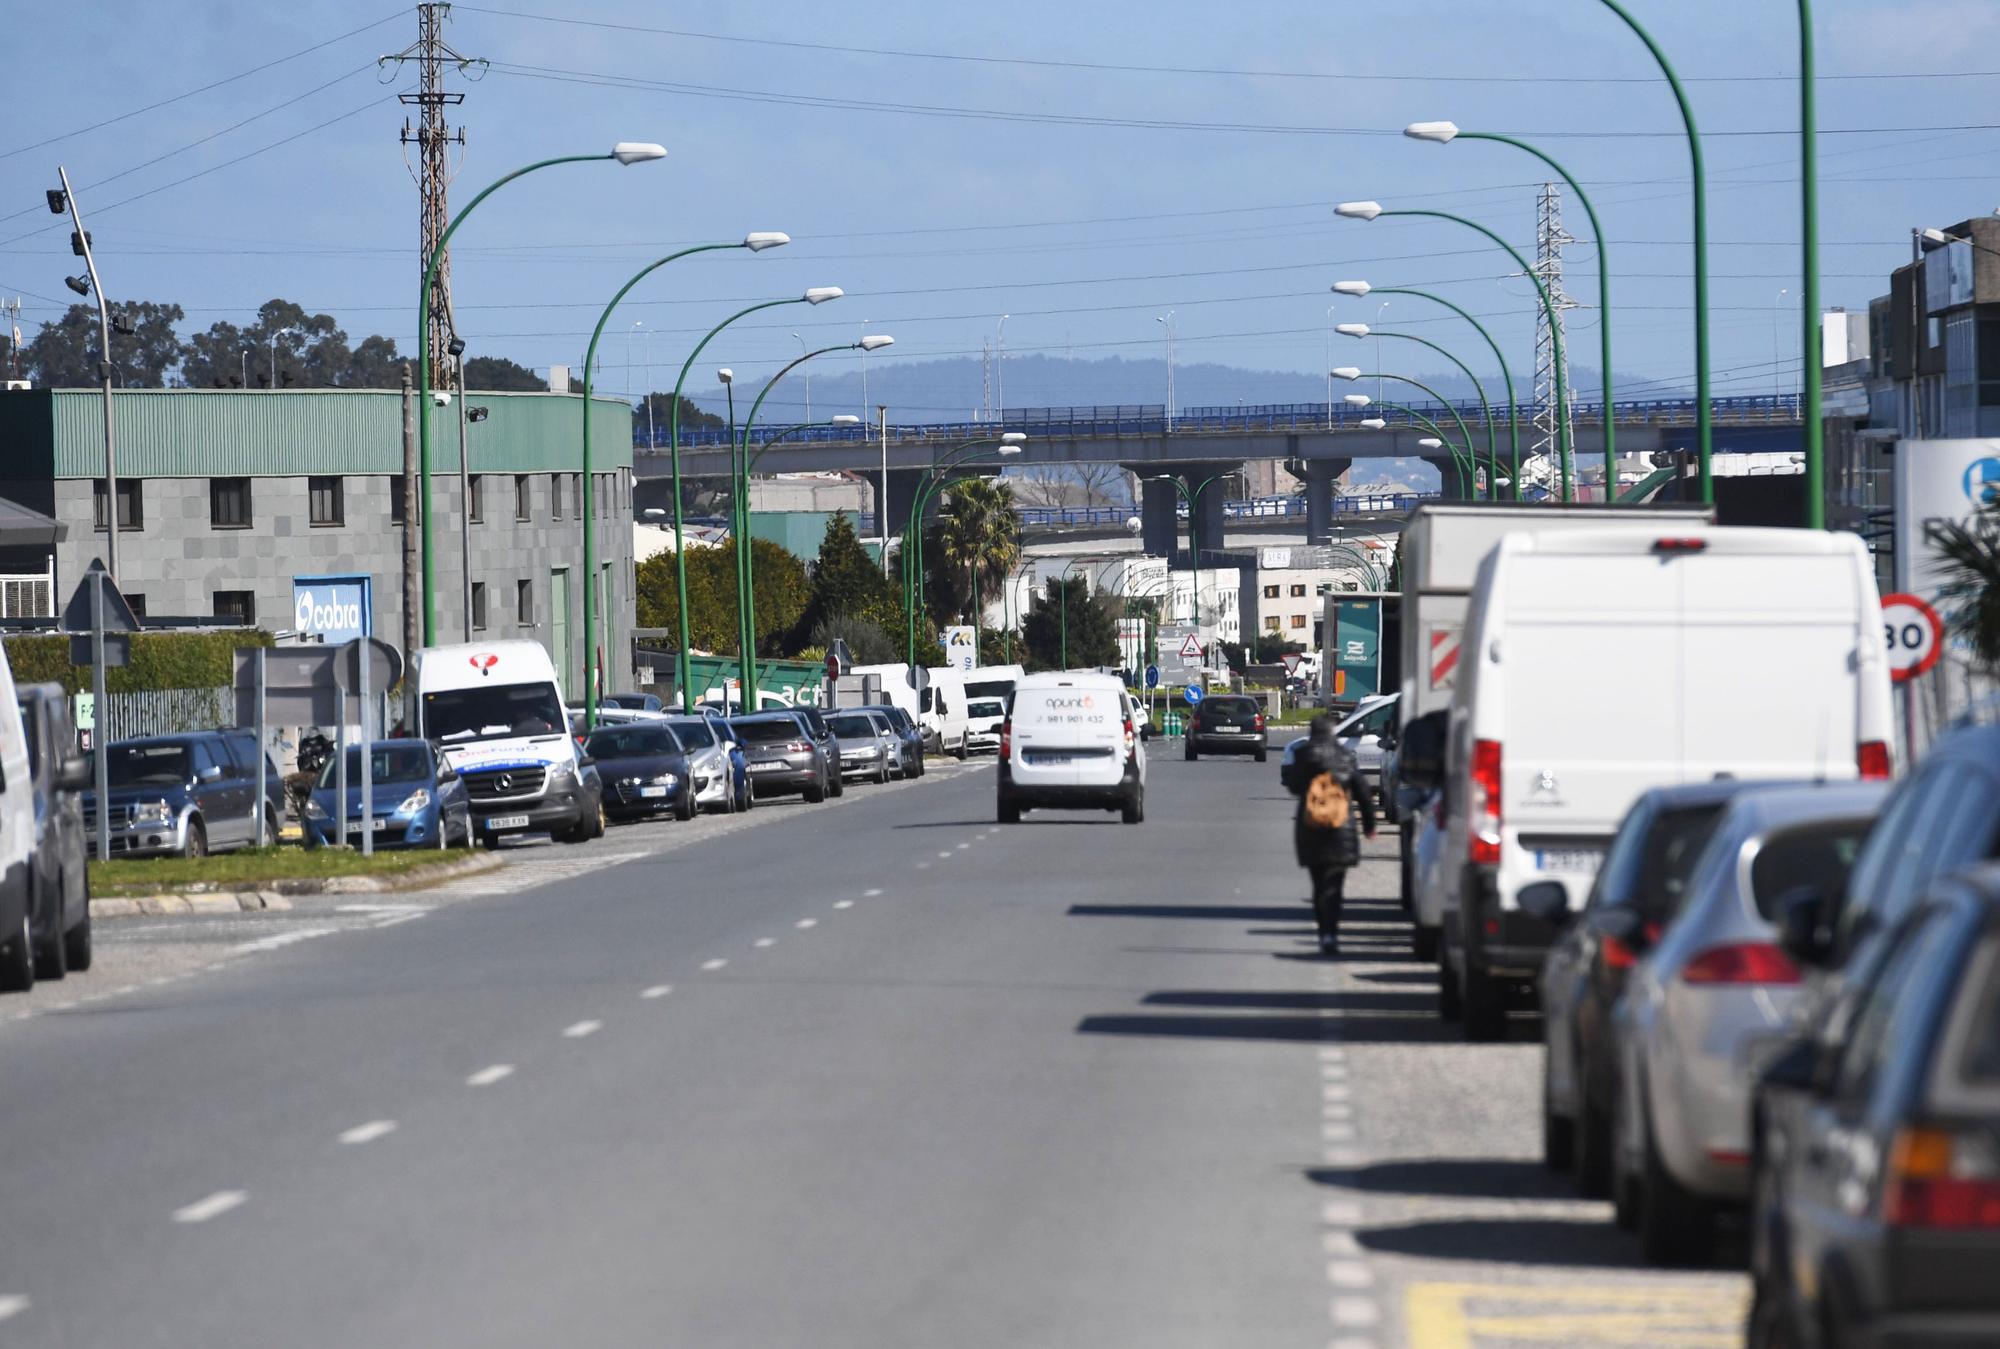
188	794
59	914
1228	723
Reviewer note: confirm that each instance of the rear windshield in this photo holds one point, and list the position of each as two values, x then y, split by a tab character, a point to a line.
1245	708
389	763
147	765
771	732
1981	1064
626	742
1819	855
1653	856
694	734
851	726
985	707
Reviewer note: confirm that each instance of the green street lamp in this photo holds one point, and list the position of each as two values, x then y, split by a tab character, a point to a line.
1349	372
1193	499
755	242
1359	288
1443	133
1809	358
817	295
625	152
1359	330
1370	210
1008	443
1436	440
746	595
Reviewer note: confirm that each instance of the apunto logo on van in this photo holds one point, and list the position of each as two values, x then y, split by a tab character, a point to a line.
483	662
1085	701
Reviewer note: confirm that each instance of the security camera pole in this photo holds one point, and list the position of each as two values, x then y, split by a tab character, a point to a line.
58	203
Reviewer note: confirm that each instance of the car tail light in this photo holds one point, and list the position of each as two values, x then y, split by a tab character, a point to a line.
1485	818
1257	722
1618	955
1131	736
1741	963
1682	545
1872	758
1006	737
1937	1178
797	746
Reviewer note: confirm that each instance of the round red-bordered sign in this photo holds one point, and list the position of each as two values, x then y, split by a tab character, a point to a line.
1914	634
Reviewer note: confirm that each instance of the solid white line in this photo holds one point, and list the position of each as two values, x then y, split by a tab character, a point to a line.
217	1204
486	1077
583	1028
658	991
12	1305
713	964
380	908
369	1132
848	903
395	920
762	942
865	894
804	923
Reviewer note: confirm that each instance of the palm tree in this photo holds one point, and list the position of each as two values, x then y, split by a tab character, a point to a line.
981	533
1970	594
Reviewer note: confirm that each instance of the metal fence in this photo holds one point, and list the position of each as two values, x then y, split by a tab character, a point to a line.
164	712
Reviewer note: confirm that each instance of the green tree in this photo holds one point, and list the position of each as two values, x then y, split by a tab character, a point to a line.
867	643
783	592
498	374
311	349
847	580
692	417
64	354
979	533
1970	595
1091	622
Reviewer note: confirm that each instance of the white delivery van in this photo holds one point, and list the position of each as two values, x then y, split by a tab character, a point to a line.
896	688
941	710
1071	741
493	711
1598	664
17	843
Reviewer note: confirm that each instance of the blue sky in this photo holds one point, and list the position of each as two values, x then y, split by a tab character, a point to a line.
937	224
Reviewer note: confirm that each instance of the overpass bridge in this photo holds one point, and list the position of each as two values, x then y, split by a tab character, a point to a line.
1318	442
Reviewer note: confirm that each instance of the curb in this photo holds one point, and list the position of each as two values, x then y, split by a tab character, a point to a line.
276	896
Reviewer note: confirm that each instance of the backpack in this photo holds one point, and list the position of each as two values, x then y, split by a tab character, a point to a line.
1326	802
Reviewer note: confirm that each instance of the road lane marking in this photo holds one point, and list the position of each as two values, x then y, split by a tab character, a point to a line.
762	942
923	866
1349	1274
1340	1243
396	919
217	1204
1340	1213
945	855
369	1132
1459	1315
11	1305
848	903
713	964
486	1077
273	943
658	991
804	923
865	894
581	1029
961	847
1352	1312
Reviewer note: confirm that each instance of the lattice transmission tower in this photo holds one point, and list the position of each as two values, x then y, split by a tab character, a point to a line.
431	166
1550	237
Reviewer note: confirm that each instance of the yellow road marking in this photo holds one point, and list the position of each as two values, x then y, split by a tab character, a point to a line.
1444	1315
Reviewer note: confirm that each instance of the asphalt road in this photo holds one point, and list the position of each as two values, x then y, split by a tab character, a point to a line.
881	1074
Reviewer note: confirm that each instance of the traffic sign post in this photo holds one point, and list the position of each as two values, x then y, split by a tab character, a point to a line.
97	608
1152	676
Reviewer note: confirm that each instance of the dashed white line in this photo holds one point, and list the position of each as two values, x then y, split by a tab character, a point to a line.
805	923
713	964
281	939
946	854
1349	1274
657	991
486	1077
217	1204
1356	1311
1340	1213
12	1305
963	846
581	1029
848	903
865	894
369	1132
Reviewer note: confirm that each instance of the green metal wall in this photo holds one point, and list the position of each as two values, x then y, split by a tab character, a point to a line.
200	433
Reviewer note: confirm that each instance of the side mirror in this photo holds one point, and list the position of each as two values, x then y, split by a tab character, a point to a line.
1802	926
1545	901
209	774
73	774
1796	1068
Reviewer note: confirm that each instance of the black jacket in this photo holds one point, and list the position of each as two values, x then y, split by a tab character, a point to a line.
1331	847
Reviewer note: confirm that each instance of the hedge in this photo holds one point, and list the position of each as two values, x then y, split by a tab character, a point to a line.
160	660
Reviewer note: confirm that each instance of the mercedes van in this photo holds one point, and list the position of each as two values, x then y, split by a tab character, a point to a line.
494	710
1070	741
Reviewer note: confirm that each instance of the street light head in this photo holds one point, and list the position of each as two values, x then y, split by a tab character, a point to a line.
456	346
1345	372
653	513
1008	449
876	343
637	152
79	284
1934	236
1351	329
1441	132
441	397
1430	443
1358	210
844	419
58	203
821	294
760	240
1013	437
1351	288
1372	423
1357	400
725	374
471	414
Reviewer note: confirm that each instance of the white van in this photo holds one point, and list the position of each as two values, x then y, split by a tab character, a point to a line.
1071	741
941	710
17	841
1597	664
493	709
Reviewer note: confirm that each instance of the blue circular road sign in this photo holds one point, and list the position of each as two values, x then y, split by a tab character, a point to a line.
1192	693
1152	676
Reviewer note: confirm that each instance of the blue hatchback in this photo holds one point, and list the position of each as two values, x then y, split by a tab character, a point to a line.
419	801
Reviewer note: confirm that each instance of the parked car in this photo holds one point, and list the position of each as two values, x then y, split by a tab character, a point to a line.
814	721
645	771
783	756
1070	742
634	702
982	724
1638	891
1226	723
1424	858
1876	1210
908	733
712	762
1368	732
1705	1009
867	748
57	895
417	799
186	794
739	762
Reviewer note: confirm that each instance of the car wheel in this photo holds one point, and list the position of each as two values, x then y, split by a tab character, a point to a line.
76	943
599	824
816	790
1449	1007
836	783
749	794
1624	1185
1558	1132
49	959
1484	1012
684	807
443	831
1676	1226
197	840
17	961
1424	943
1010	810
1593	1147
962	751
1189	752
1262	755
1135	808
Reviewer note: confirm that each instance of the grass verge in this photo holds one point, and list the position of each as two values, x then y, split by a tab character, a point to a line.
254	867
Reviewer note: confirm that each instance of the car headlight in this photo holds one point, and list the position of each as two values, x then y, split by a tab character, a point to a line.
417	800
562	773
152	812
314	810
665	780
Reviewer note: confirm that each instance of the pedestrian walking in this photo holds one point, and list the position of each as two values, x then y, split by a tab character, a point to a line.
1335	809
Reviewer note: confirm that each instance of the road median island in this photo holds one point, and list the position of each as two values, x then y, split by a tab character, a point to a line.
266	878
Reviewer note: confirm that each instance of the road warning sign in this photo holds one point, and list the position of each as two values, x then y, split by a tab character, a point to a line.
1190	649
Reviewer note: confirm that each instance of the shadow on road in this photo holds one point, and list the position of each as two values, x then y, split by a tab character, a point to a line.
1455	1177
979	823
1294	1029
1226	912
1518	1241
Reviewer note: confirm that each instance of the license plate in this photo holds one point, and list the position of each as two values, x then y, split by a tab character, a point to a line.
768	767
1585	860
1228	730
1050	758
652	791
507	822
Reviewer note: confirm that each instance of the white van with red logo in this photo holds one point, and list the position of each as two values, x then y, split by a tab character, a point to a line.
494	711
1069	741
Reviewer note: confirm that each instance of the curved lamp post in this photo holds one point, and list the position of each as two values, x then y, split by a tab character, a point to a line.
1436	440
817	295
1349	372
1492	440
1193	499
1008	443
625	152
1370	210
755	242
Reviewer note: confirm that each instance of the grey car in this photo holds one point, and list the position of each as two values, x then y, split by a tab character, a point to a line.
1705	1010
60	914
867	746
782	755
908	732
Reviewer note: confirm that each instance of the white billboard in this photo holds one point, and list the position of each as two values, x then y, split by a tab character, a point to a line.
1937	481
959	652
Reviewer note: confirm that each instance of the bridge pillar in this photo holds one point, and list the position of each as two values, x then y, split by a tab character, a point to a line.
1159	531
1211	528
1450	486
903	486
1319	476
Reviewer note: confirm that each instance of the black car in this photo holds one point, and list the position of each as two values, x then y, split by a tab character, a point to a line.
188	794
782	755
908	732
1875	1212
1227	723
634	702
644	770
1638	891
58	907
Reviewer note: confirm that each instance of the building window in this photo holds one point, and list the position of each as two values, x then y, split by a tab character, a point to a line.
524	601
555	497
477	498
229	503
1271	623
1299	591
237	607
1270	592
328	502
479	606
136	603
524	499
398	503
131	504
1298	620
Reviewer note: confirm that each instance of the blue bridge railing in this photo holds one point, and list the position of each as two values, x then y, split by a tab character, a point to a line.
1257	508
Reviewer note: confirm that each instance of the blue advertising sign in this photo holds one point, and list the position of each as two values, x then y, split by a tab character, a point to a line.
1192	693
1152	676
333	609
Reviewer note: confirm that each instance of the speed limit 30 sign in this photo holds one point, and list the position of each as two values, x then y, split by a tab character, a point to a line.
1914	634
